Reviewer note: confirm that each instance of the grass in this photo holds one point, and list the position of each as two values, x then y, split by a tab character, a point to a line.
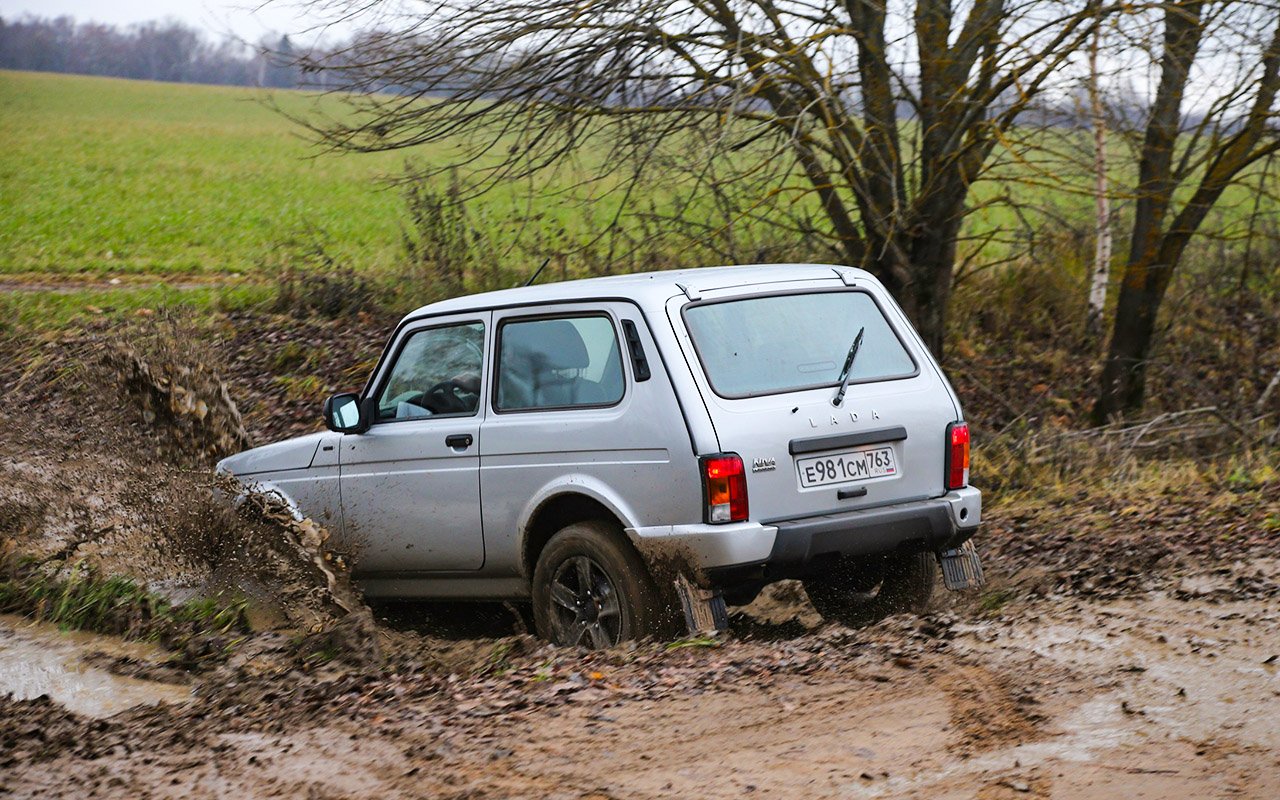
81	598
62	309
992	601
109	177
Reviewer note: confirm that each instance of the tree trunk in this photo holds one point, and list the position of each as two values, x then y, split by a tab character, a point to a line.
1124	373
926	294
1101	273
1146	275
927	305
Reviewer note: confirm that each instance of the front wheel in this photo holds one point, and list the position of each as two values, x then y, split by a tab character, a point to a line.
591	589
859	592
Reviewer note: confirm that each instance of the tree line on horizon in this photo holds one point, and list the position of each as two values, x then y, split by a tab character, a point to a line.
157	51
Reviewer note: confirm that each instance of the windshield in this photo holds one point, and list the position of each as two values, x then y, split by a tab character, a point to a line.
784	343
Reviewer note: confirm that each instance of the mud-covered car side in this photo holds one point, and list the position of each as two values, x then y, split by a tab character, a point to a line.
556	442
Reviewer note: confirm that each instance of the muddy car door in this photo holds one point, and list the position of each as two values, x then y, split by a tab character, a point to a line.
411	484
577	409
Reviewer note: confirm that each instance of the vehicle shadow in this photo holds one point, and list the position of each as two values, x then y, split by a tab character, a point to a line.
477	620
457	620
493	620
742	625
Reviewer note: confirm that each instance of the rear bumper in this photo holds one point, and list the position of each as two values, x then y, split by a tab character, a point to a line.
747	551
936	524
707	546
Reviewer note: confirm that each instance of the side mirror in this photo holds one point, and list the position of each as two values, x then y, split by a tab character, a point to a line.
342	414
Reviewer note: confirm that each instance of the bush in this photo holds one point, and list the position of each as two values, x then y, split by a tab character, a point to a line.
310	281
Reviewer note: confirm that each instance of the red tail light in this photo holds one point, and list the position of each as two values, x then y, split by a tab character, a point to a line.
724	487
957	455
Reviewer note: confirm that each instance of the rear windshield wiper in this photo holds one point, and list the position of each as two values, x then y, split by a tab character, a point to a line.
847	372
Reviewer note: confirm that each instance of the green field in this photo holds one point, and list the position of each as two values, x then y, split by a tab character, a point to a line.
111	177
104	178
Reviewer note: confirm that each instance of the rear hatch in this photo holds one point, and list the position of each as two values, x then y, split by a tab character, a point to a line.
768	362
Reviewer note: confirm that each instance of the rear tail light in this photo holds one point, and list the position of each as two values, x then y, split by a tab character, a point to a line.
724	487
957	455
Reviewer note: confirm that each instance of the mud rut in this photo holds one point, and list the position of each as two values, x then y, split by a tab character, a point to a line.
1165	689
1152	696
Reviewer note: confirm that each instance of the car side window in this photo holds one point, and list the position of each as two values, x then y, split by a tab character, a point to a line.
436	373
567	362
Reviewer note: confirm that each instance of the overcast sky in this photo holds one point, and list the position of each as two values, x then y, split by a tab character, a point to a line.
244	18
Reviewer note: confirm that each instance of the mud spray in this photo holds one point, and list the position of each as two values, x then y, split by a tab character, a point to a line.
117	482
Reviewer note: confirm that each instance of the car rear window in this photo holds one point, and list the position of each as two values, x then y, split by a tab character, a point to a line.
784	343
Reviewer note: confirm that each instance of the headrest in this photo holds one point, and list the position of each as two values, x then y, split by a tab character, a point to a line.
545	345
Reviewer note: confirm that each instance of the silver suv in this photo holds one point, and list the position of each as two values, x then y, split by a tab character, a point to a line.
569	443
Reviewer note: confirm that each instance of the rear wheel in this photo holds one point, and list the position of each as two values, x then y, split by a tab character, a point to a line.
862	591
591	589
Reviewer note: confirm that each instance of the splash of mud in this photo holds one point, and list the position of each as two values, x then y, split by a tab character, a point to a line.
188	401
314	585
124	486
304	543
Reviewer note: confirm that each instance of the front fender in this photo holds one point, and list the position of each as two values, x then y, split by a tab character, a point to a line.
248	486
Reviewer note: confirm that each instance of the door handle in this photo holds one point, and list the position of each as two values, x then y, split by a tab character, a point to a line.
459	441
849	494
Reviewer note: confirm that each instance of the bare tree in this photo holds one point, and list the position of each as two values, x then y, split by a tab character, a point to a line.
1187	158
862	122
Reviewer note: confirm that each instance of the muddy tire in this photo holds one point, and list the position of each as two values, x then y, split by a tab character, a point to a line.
862	592
592	589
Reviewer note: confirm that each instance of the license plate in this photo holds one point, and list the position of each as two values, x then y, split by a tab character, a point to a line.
847	467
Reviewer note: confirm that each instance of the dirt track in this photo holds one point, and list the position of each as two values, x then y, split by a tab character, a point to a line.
1148	697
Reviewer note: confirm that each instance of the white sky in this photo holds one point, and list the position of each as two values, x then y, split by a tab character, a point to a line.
247	19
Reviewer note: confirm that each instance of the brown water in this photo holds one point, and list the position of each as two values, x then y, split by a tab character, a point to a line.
38	659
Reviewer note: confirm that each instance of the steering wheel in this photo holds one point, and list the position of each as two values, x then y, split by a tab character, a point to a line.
444	398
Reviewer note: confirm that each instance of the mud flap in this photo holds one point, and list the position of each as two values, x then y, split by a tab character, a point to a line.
704	609
961	568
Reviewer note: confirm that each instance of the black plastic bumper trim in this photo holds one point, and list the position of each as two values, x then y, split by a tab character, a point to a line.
911	527
812	445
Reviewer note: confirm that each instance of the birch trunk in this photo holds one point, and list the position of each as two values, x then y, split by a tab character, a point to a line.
1101	273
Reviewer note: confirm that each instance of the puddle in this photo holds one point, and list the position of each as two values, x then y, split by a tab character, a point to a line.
38	659
1167	671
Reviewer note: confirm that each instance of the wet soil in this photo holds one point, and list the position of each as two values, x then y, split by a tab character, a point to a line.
1153	696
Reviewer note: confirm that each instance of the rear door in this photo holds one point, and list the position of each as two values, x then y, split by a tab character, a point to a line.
580	404
768	366
411	484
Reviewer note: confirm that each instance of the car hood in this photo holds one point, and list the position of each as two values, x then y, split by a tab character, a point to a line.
296	453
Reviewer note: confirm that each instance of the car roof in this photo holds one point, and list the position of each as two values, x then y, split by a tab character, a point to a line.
646	288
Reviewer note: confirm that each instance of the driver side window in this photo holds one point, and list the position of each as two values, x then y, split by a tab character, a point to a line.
437	373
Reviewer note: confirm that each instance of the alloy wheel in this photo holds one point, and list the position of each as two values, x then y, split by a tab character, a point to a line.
585	606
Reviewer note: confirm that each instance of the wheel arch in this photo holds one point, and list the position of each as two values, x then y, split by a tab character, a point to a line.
564	504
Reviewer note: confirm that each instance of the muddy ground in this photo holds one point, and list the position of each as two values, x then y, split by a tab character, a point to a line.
1127	645
1160	695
